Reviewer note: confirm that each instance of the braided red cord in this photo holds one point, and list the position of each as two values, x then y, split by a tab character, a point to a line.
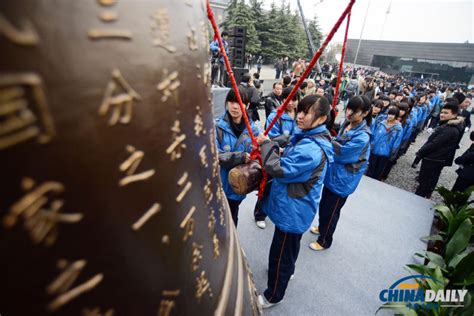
255	154
339	74
318	54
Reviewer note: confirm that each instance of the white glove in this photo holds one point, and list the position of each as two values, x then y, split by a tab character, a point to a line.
466	129
430	130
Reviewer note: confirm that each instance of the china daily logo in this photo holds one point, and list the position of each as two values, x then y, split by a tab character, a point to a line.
407	292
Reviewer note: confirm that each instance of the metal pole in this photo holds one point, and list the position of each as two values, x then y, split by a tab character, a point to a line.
361	32
308	35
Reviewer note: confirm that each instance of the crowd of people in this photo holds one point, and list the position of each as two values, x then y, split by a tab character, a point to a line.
314	165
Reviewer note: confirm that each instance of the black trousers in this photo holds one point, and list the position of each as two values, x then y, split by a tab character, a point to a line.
377	166
462	184
281	263
428	178
329	212
234	210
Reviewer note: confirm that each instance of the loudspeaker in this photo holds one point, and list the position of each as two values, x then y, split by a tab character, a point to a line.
238	31
238	73
237	42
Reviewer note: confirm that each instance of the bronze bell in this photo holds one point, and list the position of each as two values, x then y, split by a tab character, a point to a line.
110	201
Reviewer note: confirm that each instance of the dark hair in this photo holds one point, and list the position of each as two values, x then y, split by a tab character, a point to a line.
377	104
286	80
286	93
224	33
394	92
334	82
319	105
275	83
361	103
256	75
303	85
452	104
393	110
232	96
245	77
405	107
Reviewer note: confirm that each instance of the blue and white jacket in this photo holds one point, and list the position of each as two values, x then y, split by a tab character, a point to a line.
351	156
386	140
298	176
232	151
283	128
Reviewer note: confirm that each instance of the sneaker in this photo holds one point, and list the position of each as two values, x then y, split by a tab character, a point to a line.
261	224
316	246
266	304
315	230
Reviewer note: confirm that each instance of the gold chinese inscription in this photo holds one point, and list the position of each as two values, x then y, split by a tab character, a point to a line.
212	220
121	97
62	285
96	312
188	224
208	195
107	17
199	123
175	150
197	256
40	210
160	27
155	209
26	35
169	84
203	156
168	302
215	242
202	286
130	166
24	113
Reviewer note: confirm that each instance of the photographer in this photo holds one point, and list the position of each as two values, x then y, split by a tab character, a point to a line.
217	59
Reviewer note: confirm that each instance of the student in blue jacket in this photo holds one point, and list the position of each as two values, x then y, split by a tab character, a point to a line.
384	144
234	145
281	132
377	115
407	125
298	175
351	155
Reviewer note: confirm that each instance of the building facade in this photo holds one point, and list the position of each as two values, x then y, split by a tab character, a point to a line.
219	7
446	61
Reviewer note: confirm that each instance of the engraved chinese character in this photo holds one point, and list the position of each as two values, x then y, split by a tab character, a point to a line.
168	302
109	33
215	165
40	210
25	35
188	224
197	256
203	156
160	27
176	148
121	97
212	220
192	39
183	182
208	195
61	286
202	286
215	242
198	123
130	165
206	78
155	209
221	216
169	84
96	312
204	34
219	193
24	113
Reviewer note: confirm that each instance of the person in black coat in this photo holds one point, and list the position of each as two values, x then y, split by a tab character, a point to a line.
464	103
254	95
466	168
439	149
273	100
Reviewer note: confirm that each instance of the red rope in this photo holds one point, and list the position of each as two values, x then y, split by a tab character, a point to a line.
318	54
339	74
255	154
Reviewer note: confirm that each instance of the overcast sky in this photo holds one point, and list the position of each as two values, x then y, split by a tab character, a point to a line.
444	21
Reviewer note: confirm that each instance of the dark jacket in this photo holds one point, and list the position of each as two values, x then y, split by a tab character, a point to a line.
442	144
467	118
254	96
271	103
466	162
